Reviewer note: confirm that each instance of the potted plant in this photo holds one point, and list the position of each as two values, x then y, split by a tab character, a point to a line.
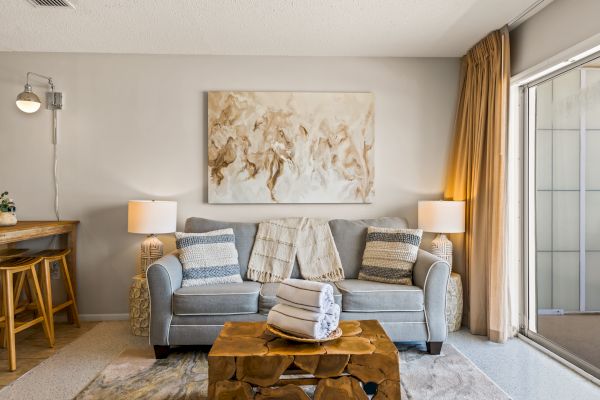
7	210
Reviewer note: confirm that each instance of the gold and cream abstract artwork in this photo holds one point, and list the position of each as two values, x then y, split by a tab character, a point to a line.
290	147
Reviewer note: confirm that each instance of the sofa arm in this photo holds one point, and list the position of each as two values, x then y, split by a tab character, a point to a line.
164	277
431	274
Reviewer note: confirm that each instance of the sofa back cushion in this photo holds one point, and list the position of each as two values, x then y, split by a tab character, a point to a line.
244	238
350	238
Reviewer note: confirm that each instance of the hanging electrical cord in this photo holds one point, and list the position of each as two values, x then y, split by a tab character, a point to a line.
55	144
51	245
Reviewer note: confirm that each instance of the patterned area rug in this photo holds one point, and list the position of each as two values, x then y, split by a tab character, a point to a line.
135	374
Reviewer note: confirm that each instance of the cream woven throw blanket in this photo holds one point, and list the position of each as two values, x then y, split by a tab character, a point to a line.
278	241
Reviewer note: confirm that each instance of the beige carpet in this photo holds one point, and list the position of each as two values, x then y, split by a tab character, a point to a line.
109	363
184	375
577	333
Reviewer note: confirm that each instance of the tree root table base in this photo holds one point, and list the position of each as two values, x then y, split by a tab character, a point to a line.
248	362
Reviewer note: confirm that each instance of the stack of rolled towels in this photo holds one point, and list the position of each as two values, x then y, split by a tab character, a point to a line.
306	309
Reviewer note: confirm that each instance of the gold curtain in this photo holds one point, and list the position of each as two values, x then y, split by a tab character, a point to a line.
477	175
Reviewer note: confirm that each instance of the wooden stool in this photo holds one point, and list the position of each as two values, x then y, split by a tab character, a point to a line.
24	266
48	257
7	254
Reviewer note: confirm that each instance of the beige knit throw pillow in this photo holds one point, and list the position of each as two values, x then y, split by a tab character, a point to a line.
208	258
390	255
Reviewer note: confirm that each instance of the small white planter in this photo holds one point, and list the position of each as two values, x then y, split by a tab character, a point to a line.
8	219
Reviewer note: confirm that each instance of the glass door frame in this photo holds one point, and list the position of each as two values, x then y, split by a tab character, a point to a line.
527	128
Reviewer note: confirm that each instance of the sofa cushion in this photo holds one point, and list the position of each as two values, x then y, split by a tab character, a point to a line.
367	296
267	299
208	258
244	238
219	299
390	255
350	238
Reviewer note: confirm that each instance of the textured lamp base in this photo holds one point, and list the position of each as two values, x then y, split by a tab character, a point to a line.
442	247
152	250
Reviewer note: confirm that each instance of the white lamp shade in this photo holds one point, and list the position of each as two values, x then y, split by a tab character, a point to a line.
442	216
152	216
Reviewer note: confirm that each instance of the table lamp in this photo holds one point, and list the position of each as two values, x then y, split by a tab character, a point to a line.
151	217
442	217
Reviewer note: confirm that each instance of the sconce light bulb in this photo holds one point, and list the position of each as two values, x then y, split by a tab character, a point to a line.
27	101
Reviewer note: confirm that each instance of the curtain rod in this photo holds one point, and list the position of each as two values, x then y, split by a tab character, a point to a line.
525	14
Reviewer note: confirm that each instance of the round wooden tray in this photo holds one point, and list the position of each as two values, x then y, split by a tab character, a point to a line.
336	334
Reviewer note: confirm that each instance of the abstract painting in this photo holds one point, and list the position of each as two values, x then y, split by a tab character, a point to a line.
290	147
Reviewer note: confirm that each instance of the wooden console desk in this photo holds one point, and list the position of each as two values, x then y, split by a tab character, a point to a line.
26	230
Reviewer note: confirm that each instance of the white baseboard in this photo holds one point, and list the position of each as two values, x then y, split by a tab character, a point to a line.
103	317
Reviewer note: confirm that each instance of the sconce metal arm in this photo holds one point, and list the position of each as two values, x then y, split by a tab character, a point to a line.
48	78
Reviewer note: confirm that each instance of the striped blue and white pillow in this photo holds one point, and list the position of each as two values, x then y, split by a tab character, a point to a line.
390	255
208	258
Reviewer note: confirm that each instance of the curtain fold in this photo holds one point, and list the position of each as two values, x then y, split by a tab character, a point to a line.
477	175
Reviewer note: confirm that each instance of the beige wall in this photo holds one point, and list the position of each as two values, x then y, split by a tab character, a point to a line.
560	25
134	127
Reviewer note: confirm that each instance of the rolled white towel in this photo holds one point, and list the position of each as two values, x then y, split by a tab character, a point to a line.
303	323
308	295
332	316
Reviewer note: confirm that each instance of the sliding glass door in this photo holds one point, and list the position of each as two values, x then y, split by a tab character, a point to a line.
563	208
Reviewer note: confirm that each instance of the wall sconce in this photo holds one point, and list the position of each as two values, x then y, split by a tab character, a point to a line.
29	102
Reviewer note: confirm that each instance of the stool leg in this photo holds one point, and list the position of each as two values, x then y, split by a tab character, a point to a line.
7	291
3	320
40	305
28	295
19	288
70	292
47	285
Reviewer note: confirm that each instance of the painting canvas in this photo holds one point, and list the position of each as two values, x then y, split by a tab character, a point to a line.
290	147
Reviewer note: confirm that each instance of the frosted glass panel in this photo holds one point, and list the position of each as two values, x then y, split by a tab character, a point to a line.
565	100
562	103
543	160
543	216
592	282
544	279
592	171
565	280
592	98
565	224
565	160
544	106
565	144
592	221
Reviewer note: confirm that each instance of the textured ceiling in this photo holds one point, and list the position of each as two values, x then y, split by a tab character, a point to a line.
256	27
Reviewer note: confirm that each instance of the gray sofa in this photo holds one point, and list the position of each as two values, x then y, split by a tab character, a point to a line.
195	315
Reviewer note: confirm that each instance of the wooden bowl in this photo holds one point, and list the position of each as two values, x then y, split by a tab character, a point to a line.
336	334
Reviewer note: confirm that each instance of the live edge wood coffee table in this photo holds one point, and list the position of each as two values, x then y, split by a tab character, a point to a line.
248	362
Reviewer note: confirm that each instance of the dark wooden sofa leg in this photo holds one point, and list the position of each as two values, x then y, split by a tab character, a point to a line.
433	348
161	352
